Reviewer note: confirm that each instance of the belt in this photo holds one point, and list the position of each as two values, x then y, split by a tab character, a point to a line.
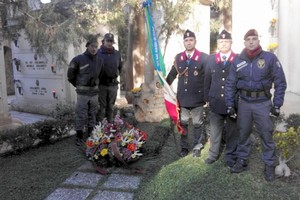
109	80
87	87
253	94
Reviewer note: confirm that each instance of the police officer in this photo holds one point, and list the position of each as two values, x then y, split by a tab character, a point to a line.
189	67
108	84
252	76
84	73
218	66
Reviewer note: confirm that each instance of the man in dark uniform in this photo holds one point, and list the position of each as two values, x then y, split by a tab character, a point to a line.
217	70
189	66
252	76
108	87
84	73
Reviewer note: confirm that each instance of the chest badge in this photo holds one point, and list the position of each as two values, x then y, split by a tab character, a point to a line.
261	63
196	73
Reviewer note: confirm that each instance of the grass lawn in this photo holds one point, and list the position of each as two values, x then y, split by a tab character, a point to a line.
190	178
34	174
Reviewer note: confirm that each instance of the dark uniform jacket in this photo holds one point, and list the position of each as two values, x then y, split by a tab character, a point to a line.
253	79
84	73
215	78
112	66
190	89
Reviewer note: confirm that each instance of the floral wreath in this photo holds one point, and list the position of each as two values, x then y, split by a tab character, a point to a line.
115	143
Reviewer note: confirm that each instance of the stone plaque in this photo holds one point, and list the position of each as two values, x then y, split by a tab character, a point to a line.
30	63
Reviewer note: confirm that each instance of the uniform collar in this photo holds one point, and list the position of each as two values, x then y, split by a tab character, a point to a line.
195	56
230	57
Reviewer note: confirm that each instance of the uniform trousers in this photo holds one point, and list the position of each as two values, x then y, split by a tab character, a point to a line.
196	114
222	124
257	113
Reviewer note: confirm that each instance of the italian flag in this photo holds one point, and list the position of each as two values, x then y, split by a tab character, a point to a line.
171	102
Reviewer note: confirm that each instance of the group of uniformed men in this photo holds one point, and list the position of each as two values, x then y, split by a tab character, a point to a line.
236	88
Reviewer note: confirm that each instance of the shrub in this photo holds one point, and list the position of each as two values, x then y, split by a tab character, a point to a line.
14	141
293	120
66	114
287	144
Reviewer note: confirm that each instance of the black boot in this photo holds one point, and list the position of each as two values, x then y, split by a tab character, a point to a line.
198	141
90	130
184	142
240	166
184	152
79	138
269	173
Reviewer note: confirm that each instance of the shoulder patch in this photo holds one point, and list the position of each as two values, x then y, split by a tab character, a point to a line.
241	64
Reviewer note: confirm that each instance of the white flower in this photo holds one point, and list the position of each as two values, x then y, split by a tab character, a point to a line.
135	154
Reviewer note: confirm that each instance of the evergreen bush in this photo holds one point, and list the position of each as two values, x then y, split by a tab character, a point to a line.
14	141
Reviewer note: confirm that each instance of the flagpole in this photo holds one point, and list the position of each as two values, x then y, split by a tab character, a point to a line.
171	102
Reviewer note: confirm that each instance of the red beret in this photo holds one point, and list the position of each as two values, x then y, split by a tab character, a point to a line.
251	32
189	33
224	35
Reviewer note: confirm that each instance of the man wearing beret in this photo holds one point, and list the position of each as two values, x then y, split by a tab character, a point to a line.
189	68
108	86
84	73
252	76
222	126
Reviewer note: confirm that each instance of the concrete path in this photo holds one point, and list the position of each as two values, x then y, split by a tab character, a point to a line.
27	118
86	184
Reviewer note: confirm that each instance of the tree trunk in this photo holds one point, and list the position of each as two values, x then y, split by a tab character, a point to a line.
128	65
138	55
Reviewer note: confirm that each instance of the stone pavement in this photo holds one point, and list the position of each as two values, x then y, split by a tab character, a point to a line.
86	184
27	118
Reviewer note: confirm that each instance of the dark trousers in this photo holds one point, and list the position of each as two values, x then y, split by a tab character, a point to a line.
107	99
222	126
250	113
86	109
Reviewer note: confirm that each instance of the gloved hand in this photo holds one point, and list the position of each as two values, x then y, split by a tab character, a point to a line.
206	105
275	111
231	112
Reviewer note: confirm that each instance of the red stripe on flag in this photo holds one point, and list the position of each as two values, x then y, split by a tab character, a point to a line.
171	103
172	110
